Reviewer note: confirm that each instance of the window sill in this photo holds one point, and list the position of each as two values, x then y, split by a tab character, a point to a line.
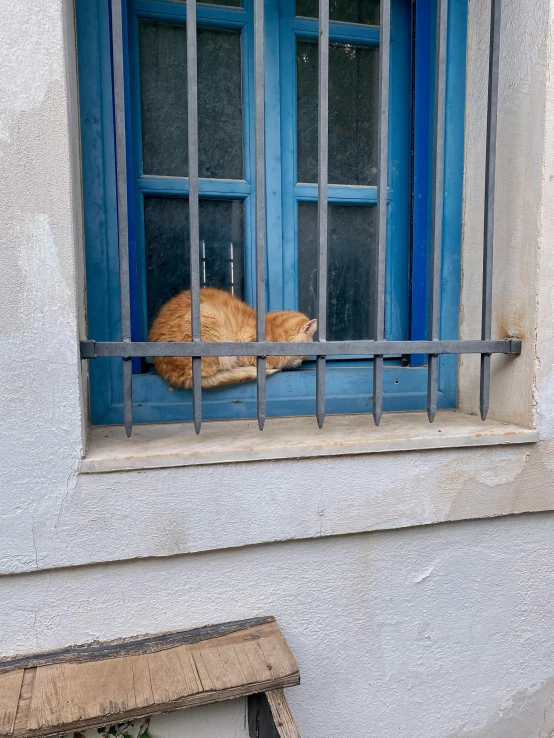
222	442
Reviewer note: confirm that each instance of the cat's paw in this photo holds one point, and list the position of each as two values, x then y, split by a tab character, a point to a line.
269	372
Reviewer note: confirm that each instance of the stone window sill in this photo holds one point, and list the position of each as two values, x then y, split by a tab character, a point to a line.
224	442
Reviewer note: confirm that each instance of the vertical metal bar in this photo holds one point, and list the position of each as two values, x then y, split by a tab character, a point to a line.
381	249
232	255
194	216
259	96
322	200
490	171
438	194
122	206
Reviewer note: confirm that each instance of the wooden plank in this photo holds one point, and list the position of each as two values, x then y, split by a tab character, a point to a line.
10	689
243	663
260	718
130	646
25	697
282	716
173	675
142	680
70	693
69	697
269	716
277	654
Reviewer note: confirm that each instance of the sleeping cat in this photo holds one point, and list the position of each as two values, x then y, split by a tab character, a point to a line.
224	318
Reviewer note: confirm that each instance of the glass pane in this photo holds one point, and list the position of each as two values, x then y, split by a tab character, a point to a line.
163	80
350	11
353	107
167	246
351	253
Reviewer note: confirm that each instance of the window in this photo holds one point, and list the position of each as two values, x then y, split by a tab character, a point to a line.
157	165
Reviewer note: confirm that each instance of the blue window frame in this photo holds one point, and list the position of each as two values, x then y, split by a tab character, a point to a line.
288	201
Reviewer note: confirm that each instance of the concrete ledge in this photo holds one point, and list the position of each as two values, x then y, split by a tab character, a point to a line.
223	442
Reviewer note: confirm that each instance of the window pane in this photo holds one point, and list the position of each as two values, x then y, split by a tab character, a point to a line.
350	11
167	248
351	253
163	80
353	107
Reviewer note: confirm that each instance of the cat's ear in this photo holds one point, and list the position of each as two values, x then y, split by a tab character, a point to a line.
311	327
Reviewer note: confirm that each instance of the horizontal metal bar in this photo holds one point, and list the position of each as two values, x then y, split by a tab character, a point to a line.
97	349
229	189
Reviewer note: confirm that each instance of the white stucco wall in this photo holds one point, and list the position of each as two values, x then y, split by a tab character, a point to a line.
425	633
435	631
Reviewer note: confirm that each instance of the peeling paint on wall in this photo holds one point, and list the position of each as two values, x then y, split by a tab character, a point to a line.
32	39
529	713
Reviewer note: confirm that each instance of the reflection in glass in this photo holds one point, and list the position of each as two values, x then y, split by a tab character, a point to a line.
167	248
351	253
349	11
353	104
163	81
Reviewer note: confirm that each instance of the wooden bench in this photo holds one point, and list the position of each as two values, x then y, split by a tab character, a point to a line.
107	683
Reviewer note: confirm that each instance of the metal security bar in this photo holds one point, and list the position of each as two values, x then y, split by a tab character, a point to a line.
492	117
383	164
259	95
322	203
261	348
194	209
438	183
122	208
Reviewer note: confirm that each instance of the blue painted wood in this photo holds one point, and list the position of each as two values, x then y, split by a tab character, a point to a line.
169	10
453	191
350	382
219	189
212	16
349	390
399	200
138	304
273	159
344	33
398	255
287	41
422	176
99	196
426	11
338	194
248	148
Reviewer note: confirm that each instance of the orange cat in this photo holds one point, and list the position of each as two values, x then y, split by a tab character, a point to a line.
224	318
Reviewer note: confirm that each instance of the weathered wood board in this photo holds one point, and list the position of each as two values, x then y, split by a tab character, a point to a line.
100	684
269	716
